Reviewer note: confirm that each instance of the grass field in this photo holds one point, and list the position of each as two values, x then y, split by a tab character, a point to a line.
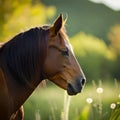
92	104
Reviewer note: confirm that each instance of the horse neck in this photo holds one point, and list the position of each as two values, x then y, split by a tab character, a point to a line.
17	94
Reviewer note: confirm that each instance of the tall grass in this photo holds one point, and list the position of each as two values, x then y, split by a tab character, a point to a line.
65	112
99	101
95	110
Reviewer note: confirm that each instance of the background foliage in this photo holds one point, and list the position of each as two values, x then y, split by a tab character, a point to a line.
19	15
94	32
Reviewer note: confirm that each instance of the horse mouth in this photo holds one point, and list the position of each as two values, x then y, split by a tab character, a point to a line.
71	90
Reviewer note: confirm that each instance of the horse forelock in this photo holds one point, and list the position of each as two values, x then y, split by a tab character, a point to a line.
24	55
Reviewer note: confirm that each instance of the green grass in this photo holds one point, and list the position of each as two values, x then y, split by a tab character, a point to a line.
48	103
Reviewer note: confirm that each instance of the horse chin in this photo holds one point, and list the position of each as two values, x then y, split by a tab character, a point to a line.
73	91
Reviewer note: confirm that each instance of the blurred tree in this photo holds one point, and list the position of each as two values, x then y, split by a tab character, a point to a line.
21	14
7	7
93	55
114	37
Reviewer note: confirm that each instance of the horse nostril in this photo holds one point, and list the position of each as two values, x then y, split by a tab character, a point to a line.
83	81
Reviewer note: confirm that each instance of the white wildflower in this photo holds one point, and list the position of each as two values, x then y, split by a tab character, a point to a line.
113	106
99	90
89	100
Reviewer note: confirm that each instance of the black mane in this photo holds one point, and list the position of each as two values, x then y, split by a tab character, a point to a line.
24	55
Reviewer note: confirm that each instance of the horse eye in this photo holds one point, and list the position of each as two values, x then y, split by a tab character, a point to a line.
65	52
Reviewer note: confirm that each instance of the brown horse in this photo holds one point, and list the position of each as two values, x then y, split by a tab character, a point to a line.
32	56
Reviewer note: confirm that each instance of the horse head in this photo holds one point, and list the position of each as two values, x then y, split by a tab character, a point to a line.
61	66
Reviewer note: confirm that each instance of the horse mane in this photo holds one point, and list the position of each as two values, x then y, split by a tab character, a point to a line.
24	54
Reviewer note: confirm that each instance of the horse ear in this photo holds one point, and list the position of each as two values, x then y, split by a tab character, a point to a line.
57	25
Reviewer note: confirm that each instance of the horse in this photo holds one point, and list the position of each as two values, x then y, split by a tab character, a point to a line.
29	58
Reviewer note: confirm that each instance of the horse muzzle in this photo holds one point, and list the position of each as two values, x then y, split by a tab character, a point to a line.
76	86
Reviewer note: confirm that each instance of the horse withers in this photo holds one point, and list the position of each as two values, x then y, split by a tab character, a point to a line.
32	56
